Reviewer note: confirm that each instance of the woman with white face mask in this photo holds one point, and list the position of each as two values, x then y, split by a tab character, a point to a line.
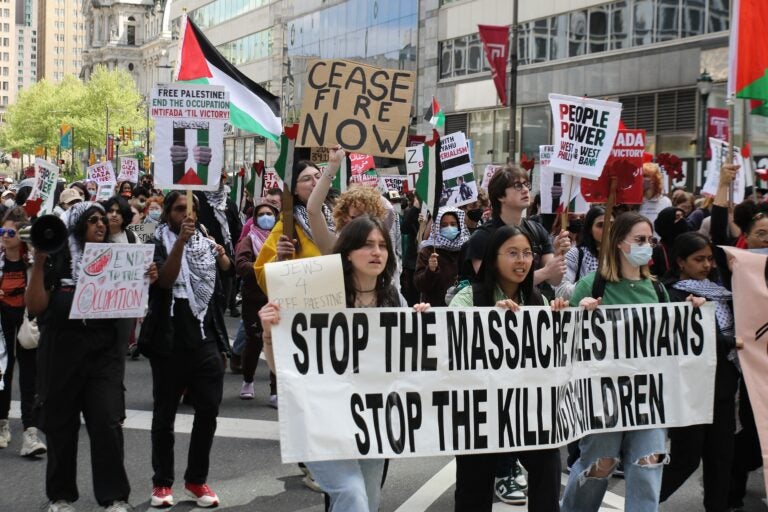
264	218
439	258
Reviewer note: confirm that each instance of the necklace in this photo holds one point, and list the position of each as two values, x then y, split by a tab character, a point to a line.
365	291
360	304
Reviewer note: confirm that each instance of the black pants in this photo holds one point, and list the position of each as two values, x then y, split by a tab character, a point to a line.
475	478
11	319
84	369
747	455
712	444
200	371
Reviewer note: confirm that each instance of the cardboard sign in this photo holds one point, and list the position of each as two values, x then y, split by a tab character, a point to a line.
526	380
459	184
189	135
102	173
583	133
362	108
144	232
308	283
719	151
129	170
555	187
317	155
112	281
628	148
46	177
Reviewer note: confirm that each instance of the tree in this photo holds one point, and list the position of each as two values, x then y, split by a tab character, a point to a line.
39	111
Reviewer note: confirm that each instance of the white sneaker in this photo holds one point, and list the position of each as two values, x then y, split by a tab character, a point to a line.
32	446
273	401
60	506
5	433
118	506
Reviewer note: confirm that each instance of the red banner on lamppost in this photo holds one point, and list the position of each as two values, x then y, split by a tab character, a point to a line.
110	148
717	126
496	45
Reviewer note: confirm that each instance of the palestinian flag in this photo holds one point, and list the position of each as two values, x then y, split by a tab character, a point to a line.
255	184
748	51
236	190
435	116
252	108
429	186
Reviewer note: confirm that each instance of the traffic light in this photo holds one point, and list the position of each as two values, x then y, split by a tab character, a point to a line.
146	163
122	133
130	133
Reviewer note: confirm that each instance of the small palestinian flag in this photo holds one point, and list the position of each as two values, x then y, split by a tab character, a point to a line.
251	107
429	186
435	116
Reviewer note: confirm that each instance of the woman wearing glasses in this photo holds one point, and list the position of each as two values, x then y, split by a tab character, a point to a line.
14	261
82	365
625	278
506	281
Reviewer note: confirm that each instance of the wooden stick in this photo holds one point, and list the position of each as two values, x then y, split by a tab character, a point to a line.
190	199
608	222
729	155
287	212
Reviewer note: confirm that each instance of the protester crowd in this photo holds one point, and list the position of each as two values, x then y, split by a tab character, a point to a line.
498	251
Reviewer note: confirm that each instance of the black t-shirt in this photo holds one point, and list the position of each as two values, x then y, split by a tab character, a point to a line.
482	237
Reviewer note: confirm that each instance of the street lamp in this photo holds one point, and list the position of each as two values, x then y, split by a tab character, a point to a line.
117	150
704	84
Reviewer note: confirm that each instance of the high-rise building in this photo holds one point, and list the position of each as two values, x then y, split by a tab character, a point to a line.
26	44
60	39
7	53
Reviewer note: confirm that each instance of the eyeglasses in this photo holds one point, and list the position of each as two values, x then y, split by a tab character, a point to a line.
10	232
517	255
642	240
95	219
520	185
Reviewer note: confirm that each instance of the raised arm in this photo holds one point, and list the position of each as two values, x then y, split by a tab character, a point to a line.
323	237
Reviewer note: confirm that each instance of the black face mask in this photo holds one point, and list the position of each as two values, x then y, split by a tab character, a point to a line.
475	215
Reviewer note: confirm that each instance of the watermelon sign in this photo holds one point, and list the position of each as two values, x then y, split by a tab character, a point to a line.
112	281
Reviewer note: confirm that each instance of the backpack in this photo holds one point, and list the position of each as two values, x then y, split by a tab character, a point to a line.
598	288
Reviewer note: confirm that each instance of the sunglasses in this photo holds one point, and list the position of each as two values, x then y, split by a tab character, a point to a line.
10	232
94	219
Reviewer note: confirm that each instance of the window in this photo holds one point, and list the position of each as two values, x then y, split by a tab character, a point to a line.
598	29
668	20
131	35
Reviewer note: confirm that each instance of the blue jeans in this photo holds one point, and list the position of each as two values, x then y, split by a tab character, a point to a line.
239	344
353	485
643	481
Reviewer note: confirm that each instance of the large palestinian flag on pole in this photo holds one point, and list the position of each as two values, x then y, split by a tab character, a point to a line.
252	108
748	59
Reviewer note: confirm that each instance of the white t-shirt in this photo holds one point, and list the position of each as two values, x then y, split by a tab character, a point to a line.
651	208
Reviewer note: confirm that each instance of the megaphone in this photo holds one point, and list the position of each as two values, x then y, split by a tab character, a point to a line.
46	234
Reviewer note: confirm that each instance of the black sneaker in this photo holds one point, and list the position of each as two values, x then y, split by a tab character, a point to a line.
509	491
619	471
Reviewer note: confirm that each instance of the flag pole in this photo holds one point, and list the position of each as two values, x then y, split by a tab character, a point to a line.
729	155
513	86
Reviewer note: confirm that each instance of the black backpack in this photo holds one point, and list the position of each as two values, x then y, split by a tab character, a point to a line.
598	288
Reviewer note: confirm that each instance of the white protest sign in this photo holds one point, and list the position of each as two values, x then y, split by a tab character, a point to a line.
395	380
129	170
271	180
104	192
490	170
387	183
112	282
459	185
307	283
189	135
46	176
144	232
719	149
555	187
102	173
583	133
414	162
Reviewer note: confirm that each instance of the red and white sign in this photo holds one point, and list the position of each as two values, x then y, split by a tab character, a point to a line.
626	163
358	163
717	126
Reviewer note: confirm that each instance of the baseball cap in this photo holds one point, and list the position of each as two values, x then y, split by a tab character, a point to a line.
69	195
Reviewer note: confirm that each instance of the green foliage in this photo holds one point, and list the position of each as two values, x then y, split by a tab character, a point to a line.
39	111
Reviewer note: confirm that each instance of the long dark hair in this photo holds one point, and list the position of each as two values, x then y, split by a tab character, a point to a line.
353	237
81	226
685	245
489	272
585	237
123	206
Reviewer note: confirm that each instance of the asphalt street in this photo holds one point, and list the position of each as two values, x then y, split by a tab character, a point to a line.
246	470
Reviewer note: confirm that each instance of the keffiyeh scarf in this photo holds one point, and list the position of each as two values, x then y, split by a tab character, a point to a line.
75	251
301	215
218	202
438	241
258	237
715	293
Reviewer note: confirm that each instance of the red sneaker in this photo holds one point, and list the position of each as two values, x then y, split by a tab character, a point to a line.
203	494
161	497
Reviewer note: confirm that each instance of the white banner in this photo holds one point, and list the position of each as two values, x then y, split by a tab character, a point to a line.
383	383
189	135
584	130
719	150
46	176
555	187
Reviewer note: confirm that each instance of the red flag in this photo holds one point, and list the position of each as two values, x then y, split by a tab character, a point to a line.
496	44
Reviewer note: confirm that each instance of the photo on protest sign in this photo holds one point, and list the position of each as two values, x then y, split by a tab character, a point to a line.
112	281
129	170
144	232
189	135
46	177
556	186
308	283
583	133
719	150
102	173
363	108
530	379
459	184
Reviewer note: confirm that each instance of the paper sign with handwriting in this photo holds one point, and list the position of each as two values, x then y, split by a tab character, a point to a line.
307	283
144	232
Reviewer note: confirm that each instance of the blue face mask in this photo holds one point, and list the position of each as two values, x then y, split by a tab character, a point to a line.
265	221
449	232
639	255
154	214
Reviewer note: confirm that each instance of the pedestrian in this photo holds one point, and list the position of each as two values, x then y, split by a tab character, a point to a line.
506	282
583	259
654	199
14	263
366	256
187	348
